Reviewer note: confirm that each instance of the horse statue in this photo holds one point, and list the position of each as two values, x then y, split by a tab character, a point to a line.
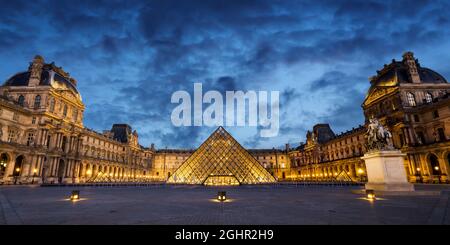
378	137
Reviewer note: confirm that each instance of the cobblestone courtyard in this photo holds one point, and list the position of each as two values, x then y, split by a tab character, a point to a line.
196	205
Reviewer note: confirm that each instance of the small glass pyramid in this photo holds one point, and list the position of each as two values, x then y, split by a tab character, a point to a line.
221	160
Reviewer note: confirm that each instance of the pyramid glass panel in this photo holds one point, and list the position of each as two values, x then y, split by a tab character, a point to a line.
221	160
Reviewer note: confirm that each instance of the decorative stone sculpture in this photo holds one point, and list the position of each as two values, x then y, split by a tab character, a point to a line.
378	137
384	164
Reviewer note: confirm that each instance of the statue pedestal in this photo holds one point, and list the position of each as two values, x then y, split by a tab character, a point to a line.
386	171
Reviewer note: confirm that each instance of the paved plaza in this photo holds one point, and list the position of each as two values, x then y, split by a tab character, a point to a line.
186	205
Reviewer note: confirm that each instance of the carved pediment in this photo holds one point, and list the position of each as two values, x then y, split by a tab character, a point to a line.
378	93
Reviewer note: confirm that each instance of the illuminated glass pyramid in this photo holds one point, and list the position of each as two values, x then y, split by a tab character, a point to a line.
221	160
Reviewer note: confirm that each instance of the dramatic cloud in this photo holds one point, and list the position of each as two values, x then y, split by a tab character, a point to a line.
130	56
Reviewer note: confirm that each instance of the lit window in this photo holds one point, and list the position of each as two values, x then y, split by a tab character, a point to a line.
37	102
411	99
428	98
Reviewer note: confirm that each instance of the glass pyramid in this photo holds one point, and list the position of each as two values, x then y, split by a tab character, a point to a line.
221	160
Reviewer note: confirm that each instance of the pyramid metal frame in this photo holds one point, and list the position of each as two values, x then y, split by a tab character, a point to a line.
220	155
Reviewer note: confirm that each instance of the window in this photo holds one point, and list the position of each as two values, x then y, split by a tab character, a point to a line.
65	111
411	99
21	100
421	137
33	121
37	102
12	135
435	114
428	98
30	139
15	116
416	118
52	105
75	115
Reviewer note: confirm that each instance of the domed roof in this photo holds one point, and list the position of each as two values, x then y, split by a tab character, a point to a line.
397	72
50	76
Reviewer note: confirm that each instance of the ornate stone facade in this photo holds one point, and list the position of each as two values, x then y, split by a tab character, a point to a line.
413	102
42	137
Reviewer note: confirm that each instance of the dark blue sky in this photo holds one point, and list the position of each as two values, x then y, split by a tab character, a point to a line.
130	56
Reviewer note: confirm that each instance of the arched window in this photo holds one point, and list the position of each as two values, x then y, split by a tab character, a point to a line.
52	105
434	162
428	98
37	102
411	99
21	100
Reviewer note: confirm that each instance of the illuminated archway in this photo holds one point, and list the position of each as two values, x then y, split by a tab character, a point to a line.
18	165
4	160
434	163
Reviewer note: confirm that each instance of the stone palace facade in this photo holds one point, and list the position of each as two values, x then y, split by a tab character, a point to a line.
43	140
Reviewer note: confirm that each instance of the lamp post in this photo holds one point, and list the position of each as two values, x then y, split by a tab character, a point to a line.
360	173
419	177
16	175
34	175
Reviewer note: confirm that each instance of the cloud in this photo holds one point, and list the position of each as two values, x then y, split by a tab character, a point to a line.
130	56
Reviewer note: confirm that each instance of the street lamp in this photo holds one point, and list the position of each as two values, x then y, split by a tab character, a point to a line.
16	176
34	175
360	173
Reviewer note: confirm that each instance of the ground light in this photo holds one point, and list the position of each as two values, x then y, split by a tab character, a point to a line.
370	194
75	196
222	196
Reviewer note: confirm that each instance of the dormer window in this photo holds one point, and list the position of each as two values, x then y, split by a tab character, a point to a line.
411	99
428	98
